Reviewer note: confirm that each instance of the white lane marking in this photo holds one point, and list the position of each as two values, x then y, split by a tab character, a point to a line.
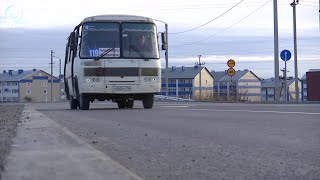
174	106
251	111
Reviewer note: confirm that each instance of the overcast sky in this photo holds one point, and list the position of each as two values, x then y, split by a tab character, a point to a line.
30	29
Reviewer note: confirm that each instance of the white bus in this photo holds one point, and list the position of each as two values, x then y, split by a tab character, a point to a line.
112	57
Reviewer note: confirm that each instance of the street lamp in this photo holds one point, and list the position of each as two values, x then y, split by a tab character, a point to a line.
296	87
59	76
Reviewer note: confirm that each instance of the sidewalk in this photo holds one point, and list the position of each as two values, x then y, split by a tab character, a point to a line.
43	150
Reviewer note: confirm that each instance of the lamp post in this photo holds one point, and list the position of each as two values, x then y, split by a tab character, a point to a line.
166	55
296	86
276	51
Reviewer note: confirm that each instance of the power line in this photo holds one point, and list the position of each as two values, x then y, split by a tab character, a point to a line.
210	20
204	39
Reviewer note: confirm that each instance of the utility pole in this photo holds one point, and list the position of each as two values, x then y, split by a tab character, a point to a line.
199	67
51	64
276	51
295	2
60	78
1	83
167	61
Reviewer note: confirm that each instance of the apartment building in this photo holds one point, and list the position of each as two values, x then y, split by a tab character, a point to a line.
28	86
184	82
244	85
268	89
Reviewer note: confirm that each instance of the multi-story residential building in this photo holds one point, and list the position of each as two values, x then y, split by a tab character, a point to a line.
268	87
184	82
33	85
244	85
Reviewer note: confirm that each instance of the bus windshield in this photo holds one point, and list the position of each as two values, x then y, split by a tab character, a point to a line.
97	38
138	40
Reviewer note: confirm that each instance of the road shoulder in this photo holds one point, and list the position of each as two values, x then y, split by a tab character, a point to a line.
43	149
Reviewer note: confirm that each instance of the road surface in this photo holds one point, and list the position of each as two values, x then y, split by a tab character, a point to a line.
201	140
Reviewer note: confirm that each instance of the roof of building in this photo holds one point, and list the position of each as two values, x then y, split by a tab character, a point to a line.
16	76
182	72
314	70
223	76
269	83
304	77
218	75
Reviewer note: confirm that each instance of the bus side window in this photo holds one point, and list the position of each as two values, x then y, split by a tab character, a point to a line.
70	54
66	57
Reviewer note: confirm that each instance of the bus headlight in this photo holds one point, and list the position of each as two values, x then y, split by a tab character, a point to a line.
150	79
93	80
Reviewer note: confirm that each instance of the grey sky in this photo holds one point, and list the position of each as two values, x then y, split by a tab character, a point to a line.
35	27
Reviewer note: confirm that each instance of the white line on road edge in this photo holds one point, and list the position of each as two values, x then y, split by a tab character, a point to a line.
235	110
174	106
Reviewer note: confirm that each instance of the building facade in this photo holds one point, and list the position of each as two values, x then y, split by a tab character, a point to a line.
313	85
184	82
268	89
243	86
28	86
304	91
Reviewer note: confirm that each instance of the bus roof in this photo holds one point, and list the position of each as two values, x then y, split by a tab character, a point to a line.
119	18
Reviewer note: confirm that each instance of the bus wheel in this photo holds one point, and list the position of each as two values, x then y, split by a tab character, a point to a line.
148	101
73	103
129	104
84	102
121	104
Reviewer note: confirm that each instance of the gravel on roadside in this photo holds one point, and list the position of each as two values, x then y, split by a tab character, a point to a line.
10	115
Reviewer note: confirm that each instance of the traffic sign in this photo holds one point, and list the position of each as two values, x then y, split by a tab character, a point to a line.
231	63
285	55
231	72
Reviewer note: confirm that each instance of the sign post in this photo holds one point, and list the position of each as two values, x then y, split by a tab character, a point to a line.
285	56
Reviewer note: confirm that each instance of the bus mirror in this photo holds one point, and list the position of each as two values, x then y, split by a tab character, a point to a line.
164	41
72	39
164	38
164	47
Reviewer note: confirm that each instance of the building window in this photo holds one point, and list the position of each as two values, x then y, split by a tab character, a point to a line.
28	91
45	91
206	81
28	84
45	84
15	91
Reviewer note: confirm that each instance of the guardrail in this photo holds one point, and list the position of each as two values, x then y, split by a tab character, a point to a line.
170	98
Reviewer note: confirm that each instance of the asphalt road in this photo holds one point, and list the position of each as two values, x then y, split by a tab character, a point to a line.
201	140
